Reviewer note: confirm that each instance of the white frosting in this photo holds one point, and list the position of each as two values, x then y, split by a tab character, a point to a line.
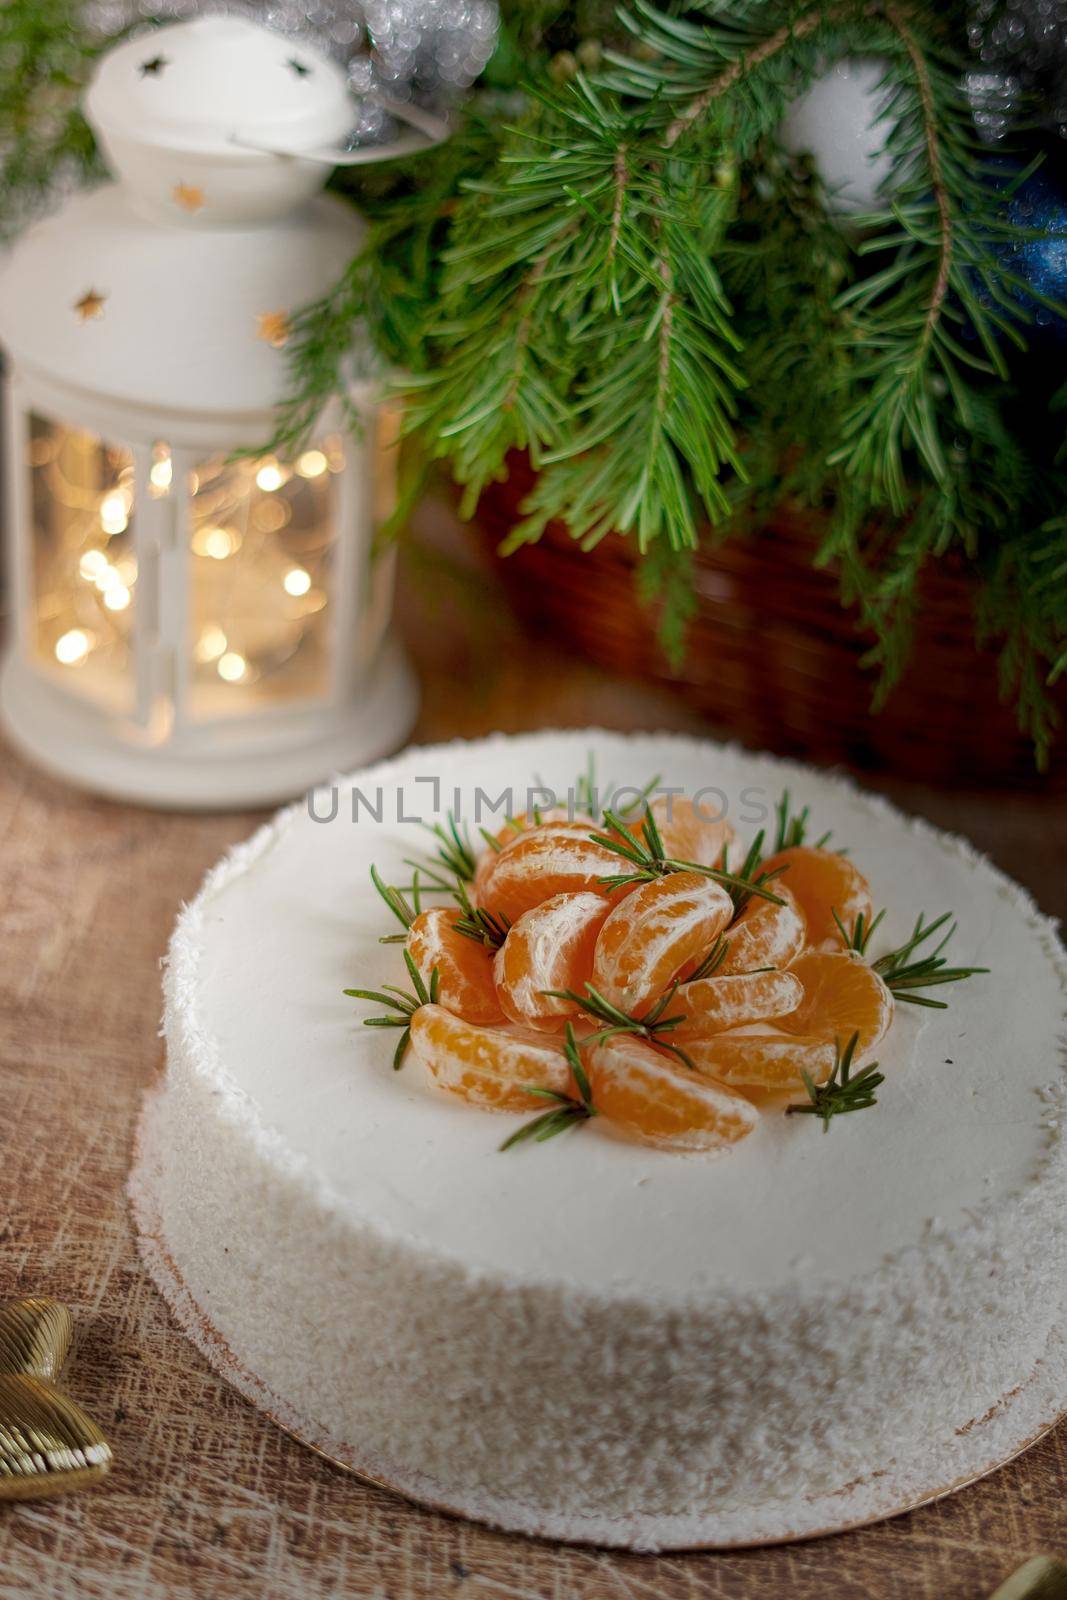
889	1258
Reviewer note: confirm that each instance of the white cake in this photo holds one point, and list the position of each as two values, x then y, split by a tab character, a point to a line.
589	1338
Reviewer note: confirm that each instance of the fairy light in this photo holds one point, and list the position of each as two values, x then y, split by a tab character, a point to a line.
107	578
312	464
216	542
270	477
211	644
161	472
72	647
114	513
296	581
232	667
92	565
117	597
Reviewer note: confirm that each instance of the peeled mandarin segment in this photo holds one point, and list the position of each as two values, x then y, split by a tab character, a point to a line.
550	947
822	882
756	1060
555	858
490	1067
765	934
842	996
511	831
692	832
661	1102
464	966
651	936
713	1004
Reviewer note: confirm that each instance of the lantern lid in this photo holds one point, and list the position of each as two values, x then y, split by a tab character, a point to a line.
206	85
101	302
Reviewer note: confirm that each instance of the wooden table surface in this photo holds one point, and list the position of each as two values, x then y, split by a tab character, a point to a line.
207	1498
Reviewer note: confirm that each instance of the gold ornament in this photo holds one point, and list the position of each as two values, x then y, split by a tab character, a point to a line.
1040	1578
188	196
91	305
48	1445
273	328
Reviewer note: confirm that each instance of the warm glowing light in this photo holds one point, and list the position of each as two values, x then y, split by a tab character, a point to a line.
270	514
126	567
72	647
232	667
117	597
113	513
161	473
312	464
270	477
297	581
107	578
218	543
92	564
211	644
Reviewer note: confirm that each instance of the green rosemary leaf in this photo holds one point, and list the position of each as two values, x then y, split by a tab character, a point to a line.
483	926
404	912
858	937
567	1112
711	962
648	859
905	973
842	1092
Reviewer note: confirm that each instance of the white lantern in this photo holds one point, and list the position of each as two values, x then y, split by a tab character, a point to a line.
194	626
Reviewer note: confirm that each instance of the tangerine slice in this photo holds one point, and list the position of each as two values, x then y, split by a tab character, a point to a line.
756	1060
764	934
549	947
651	936
822	882
842	996
663	1104
689	834
511	831
553	858
714	1004
464	966
490	1067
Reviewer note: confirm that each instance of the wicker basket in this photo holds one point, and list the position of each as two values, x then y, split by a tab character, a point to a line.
774	658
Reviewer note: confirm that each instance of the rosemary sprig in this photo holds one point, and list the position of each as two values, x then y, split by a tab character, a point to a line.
483	926
841	1092
567	1112
400	1005
858	937
904	976
793	826
750	878
451	866
711	962
649	860
650	1025
404	910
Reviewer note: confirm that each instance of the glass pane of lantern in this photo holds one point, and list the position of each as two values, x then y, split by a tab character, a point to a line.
378	593
263	536
84	570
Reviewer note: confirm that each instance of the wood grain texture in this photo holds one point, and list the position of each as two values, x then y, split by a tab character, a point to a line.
207	1499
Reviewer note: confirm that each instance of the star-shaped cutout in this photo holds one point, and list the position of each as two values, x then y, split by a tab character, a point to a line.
273	328
153	66
298	67
90	307
188	196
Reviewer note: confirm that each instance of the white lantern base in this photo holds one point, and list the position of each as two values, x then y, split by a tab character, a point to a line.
216	768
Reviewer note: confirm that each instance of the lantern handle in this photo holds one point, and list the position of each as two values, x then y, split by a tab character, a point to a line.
425	130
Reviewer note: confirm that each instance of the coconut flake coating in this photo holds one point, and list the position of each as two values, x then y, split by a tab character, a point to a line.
590	1339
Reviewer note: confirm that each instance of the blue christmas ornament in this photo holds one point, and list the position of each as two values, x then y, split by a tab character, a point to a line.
1040	262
